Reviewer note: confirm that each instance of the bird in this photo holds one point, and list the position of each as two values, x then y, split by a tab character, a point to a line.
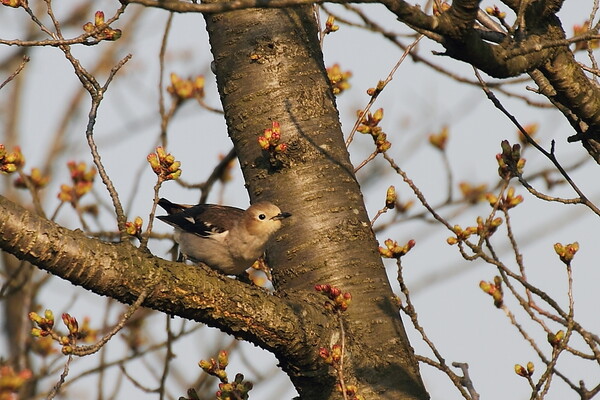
227	239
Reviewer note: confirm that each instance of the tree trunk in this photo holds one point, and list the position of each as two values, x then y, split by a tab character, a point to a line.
269	67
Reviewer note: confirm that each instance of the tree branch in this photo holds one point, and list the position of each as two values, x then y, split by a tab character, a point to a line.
218	7
123	272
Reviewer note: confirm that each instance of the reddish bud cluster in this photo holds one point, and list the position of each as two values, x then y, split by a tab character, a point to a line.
525	372
566	252
45	323
339	301
377	89
134	228
369	125
164	165
100	30
393	250
507	202
11	162
440	139
71	324
487	227
238	389
184	89
495	12
461	234
555	339
338	79
69	341
484	228
13	4
37	180
351	392
330	25
82	179
510	163
45	329
494	289
269	141
216	367
11	381
331	356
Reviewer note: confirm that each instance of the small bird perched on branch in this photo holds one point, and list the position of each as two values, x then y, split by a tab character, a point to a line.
225	238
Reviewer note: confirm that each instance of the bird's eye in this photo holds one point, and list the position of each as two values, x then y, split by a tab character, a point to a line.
262	216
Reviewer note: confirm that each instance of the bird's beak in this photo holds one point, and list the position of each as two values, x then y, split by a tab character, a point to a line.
282	215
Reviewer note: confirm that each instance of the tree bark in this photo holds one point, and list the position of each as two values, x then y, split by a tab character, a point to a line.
269	67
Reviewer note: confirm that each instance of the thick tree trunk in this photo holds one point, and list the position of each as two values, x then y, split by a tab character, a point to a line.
269	67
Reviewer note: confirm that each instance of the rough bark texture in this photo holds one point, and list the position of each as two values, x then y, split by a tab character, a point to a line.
269	67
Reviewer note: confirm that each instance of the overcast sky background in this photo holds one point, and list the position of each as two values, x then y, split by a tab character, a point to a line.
458	317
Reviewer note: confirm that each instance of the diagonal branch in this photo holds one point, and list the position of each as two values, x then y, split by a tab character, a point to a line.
123	272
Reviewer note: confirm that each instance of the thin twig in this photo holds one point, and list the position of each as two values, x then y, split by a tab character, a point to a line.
379	214
96	92
217	173
16	72
161	71
466	379
340	370
380	86
168	357
60	382
212	8
410	311
131	357
91	349
550	155
135	382
416	191
366	161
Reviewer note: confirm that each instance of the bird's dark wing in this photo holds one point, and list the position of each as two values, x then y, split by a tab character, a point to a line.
201	219
172	208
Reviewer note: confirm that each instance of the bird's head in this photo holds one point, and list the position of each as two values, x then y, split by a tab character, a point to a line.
264	218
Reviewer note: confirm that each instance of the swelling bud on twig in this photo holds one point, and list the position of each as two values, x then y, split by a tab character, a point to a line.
566	252
164	165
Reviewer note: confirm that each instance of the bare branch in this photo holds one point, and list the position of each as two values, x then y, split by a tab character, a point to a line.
14	74
583	199
121	271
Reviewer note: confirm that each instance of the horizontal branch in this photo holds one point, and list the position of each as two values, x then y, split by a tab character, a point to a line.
410	14
219	7
85	40
123	272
